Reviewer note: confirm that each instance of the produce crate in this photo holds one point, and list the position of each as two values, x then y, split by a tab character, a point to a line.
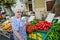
6	36
43	35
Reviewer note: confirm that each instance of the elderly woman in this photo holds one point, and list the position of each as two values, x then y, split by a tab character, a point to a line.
18	25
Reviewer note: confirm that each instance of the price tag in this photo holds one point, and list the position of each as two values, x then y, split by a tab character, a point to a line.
50	17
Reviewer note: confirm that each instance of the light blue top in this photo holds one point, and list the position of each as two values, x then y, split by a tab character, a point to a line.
20	27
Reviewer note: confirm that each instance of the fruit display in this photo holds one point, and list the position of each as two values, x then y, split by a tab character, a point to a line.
7	27
43	25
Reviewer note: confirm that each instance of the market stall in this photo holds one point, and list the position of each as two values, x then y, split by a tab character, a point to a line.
44	30
37	29
5	31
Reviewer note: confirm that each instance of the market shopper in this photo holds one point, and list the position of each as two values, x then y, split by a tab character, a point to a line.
18	25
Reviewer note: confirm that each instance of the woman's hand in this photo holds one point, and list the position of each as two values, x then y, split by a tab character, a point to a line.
21	38
17	35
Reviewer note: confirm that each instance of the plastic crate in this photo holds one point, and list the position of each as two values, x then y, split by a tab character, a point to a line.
30	39
6	36
43	33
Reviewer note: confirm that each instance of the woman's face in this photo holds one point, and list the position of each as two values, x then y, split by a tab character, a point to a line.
18	13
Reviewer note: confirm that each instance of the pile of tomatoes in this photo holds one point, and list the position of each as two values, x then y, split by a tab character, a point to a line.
43	25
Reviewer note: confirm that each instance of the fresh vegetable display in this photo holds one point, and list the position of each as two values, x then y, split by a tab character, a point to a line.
34	22
55	33
35	36
39	36
32	35
57	26
43	25
29	28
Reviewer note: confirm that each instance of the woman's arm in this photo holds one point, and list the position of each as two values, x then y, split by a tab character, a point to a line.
17	35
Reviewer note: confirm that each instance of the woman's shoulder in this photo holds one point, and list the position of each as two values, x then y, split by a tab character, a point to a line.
22	21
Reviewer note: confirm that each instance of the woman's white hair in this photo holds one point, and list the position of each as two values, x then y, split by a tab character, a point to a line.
18	7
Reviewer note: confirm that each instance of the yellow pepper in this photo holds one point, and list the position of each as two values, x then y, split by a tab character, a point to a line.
32	36
39	38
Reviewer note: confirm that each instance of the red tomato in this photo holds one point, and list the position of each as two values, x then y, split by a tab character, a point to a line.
35	28
47	29
37	25
30	29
